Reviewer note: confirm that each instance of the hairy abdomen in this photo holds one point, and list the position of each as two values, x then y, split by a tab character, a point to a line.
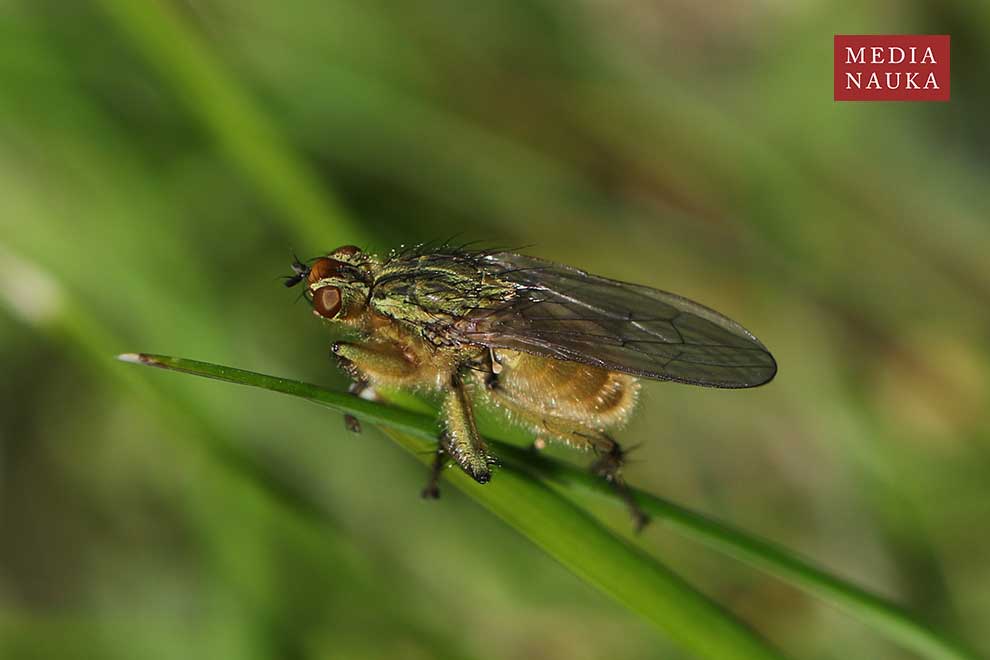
592	396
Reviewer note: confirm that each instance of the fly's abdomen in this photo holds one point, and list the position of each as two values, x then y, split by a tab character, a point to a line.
578	392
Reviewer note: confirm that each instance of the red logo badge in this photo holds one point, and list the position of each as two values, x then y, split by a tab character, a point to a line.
884	67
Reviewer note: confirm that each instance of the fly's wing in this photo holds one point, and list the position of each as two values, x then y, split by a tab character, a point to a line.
567	314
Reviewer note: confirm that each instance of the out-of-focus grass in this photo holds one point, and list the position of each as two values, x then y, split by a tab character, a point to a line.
675	146
563	530
571	537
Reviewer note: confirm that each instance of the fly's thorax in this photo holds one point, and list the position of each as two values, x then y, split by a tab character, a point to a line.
434	294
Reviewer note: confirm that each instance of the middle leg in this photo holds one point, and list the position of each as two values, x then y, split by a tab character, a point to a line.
459	441
463	443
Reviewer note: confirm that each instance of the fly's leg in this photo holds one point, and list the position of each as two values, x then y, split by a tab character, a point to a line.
396	364
609	467
609	463
351	423
380	361
459	440
463	444
357	388
384	363
432	490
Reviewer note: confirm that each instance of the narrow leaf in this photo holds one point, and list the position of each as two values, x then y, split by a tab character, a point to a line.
410	429
550	520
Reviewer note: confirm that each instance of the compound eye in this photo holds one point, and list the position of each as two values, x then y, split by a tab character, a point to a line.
326	301
347	250
322	269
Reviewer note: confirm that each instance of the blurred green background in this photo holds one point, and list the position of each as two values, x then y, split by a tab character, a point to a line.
160	162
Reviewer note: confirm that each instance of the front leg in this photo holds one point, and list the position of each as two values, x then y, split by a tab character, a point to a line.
361	389
379	361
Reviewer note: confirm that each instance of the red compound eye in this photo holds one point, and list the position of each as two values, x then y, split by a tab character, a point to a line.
322	269
347	250
326	301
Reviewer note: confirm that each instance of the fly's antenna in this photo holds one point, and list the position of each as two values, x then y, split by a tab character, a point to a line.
300	272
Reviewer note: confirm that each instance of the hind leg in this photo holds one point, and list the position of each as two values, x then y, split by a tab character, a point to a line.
611	456
609	466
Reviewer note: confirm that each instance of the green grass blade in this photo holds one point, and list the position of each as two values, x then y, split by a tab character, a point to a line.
551	521
621	570
883	615
417	431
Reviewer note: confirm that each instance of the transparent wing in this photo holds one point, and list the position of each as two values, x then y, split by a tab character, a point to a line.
568	314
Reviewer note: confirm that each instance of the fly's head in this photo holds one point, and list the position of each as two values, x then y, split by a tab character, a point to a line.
337	285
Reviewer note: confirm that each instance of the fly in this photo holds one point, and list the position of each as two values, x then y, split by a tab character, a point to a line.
557	349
